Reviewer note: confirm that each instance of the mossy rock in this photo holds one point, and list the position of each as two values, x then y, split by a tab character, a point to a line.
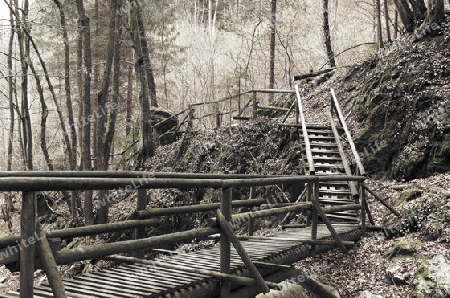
403	248
407	196
432	278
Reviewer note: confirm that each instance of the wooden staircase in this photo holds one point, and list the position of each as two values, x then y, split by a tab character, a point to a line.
327	161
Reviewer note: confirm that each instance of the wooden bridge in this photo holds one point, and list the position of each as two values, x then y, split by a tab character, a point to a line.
238	266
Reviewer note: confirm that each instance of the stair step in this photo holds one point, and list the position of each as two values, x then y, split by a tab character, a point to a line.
334	184
327	158
324	152
329	165
337	192
335	201
322	145
342	217
321	136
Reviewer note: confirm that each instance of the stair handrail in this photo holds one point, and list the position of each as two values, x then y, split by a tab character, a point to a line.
309	157
335	106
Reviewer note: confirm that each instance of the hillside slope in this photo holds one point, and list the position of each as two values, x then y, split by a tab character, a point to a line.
400	96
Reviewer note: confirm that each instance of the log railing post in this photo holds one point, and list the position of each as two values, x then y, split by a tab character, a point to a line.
315	219
142	201
309	199
363	209
225	246
255	106
27	243
251	221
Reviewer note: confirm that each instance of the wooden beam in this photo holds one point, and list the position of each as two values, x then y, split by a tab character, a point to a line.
347	133
348	171
305	133
273	108
312	74
225	247
228	230
66	256
195	208
100	228
27	243
48	263
386	204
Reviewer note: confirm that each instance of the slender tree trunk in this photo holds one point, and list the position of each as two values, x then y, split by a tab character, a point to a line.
129	100
436	12
67	89
272	45
102	156
379	26
327	34
137	30
44	115
406	14
95	102
84	32
24	49
386	19
10	92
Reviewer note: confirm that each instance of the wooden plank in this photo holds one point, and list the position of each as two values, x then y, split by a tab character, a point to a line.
225	247
125	284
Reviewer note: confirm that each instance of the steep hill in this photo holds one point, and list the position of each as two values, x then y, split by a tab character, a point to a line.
399	96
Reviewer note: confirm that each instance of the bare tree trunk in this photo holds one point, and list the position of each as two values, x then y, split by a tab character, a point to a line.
44	115
419	11
95	101
327	35
436	12
272	45
69	105
379	26
103	147
24	49
138	34
10	92
84	32
406	14
386	19
129	100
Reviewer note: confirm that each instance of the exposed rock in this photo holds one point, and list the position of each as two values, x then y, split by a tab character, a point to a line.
288	290
367	294
432	278
403	248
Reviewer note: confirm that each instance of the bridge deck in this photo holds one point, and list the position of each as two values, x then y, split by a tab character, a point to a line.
139	280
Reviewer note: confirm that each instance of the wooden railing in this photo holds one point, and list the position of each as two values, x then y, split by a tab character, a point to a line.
305	133
50	256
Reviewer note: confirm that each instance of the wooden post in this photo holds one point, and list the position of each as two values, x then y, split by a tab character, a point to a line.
226	228
308	199
49	264
315	218
225	247
139	233
217	118
255	106
296	114
27	243
251	221
363	209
